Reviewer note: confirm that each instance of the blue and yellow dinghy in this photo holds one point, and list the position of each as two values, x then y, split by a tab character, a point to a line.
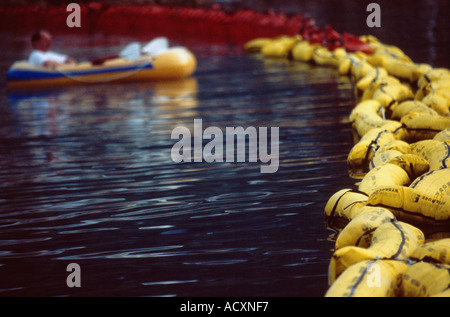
174	63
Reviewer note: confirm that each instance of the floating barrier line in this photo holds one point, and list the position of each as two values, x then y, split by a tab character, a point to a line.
393	230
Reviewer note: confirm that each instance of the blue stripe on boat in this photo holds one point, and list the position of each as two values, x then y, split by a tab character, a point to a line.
25	74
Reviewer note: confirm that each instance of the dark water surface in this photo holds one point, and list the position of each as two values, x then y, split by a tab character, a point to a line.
86	177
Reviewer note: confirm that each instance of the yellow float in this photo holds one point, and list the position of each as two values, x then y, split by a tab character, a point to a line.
393	227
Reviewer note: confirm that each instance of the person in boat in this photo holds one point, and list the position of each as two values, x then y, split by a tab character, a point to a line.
42	56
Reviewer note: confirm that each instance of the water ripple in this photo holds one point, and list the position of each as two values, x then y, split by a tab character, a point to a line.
87	177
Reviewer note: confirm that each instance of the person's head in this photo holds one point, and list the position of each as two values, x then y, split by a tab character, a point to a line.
41	40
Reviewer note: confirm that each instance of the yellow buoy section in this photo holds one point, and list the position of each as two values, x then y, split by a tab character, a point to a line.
393	227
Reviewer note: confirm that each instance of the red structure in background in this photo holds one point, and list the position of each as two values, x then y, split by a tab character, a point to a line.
204	24
210	25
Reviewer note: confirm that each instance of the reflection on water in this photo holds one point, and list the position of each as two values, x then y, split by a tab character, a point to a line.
86	174
87	177
116	104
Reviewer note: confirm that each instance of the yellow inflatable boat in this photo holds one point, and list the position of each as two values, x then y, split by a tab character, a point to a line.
174	63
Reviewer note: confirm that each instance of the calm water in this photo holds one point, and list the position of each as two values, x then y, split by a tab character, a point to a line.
86	177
